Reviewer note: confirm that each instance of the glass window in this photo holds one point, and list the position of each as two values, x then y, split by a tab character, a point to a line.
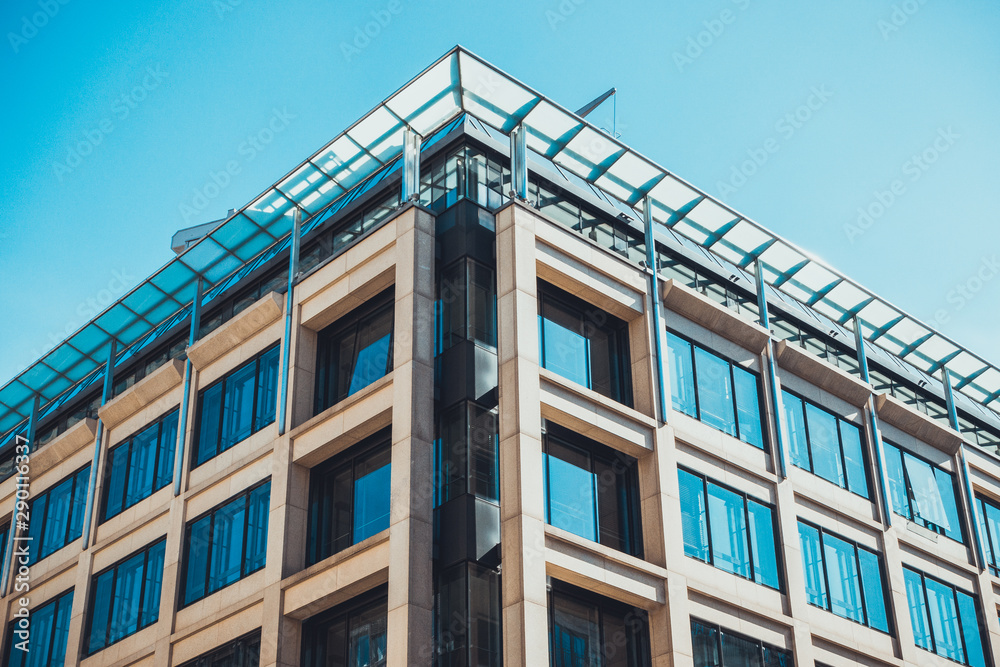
44	642
843	577
244	652
825	445
467	616
352	634
466	456
945	620
714	390
591	490
349	497
466	308
354	351
586	630
728	529
236	406
139	466
989	528
584	344
922	492
226	544
125	598
57	515
715	646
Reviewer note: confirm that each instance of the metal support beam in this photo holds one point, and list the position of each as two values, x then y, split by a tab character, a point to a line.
23	446
654	281
963	466
293	272
186	396
772	369
876	435
519	163
411	166
109	379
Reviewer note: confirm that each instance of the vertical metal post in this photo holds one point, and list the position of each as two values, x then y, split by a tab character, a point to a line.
186	397
772	369
654	280
963	463
26	441
109	379
293	270
880	469
519	163
411	165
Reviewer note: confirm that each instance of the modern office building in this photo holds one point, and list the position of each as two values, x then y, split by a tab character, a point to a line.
475	385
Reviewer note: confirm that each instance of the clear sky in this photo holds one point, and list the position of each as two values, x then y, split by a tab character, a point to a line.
115	113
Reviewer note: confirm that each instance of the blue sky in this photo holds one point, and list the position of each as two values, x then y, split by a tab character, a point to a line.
798	116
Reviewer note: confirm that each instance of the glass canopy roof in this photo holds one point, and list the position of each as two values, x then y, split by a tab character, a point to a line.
462	82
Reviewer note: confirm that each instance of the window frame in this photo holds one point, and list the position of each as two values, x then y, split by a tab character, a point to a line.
721	631
911	499
750	538
254	426
56	600
620	352
319	624
958	611
992	542
37	555
186	547
758	379
630	615
842	461
127	442
232	647
374	445
883	581
92	598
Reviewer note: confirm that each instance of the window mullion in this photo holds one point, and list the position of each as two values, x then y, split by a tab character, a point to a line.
246	530
708	523
749	538
861	584
826	574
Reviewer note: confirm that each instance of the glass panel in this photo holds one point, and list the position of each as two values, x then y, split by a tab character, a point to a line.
257	515
705	642
482	305
571	490
267	389
897	480
575	634
153	585
989	517
824	444
199	542
737	650
165	456
60	630
227	545
371	498
765	557
949	502
374	343
125	608
209	413
237	409
116	481
918	609
142	465
944	620
854	460
812	562
798	443
55	525
748	407
612	499
971	625
564	349
681	375
727	525
715	391
103	588
842	574
484	473
871	583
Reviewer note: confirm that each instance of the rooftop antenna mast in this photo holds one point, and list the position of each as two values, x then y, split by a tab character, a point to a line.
583	111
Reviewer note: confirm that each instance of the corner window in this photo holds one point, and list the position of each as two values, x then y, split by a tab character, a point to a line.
591	490
718	647
125	598
843	577
349	497
728	529
466	455
714	390
57	515
586	630
226	544
237	406
989	528
584	344
353	633
922	492
139	466
945	619
467	306
354	351
243	652
49	632
825	445
467	616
